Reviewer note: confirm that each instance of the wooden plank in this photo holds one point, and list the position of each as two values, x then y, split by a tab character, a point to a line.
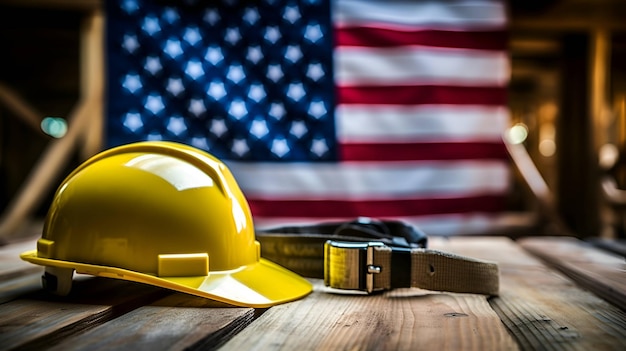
177	322
10	263
40	320
17	286
599	271
404	319
616	246
17	277
542	308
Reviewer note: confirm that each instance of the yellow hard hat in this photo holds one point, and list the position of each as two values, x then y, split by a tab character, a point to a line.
165	214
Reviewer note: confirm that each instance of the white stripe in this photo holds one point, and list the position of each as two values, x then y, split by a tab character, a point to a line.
354	181
413	65
429	14
376	123
437	225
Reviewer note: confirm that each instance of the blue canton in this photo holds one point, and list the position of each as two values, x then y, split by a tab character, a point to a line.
244	80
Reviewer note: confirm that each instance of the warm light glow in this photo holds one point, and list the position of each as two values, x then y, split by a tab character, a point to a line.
547	147
609	153
518	133
54	126
547	134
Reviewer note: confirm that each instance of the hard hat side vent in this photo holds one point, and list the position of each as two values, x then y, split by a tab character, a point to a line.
183	265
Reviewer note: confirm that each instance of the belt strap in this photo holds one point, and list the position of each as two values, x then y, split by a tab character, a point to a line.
374	258
380	267
301	248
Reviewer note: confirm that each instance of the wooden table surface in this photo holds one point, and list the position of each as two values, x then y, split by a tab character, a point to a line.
555	293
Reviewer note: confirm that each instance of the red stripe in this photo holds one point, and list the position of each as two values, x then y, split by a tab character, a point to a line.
422	94
380	37
423	151
377	208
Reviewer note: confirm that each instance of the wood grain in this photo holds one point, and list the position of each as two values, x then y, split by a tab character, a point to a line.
599	271
404	319
176	322
542	308
39	319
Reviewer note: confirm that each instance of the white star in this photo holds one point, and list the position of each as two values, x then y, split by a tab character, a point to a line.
298	129
192	35
237	109
317	109
251	15
232	35
280	147
211	16
200	143
240	147
254	54
130	43
274	72
194	69
315	71
291	14
170	15
196	106
216	90
218	127
151	25
235	74
154	104
295	91
272	34
258	128
214	55
256	92
132	83
313	33
133	122
277	110
153	65
129	6
319	147
172	48
176	125
293	53
175	86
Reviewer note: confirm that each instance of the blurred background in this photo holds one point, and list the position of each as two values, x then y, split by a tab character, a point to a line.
566	96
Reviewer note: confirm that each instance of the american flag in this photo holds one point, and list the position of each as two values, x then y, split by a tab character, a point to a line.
325	110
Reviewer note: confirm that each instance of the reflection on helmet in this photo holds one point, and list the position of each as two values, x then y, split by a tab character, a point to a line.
165	214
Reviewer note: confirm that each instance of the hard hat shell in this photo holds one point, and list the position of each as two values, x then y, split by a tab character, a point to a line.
165	214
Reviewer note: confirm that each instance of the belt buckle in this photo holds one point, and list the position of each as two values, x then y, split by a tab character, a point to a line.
350	265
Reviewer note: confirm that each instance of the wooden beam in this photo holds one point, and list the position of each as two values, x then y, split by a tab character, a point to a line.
46	170
85	129
600	68
92	72
20	108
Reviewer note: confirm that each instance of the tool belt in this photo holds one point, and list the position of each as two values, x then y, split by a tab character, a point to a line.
370	255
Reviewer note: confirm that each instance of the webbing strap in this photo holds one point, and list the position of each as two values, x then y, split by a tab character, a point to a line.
437	270
434	270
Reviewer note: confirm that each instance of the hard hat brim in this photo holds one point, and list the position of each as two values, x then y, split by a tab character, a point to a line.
259	285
